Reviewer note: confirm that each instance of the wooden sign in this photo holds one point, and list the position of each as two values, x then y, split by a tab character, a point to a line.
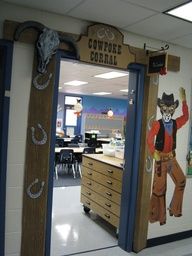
157	63
104	46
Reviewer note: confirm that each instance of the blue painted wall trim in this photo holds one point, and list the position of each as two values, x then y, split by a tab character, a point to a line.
7	47
132	149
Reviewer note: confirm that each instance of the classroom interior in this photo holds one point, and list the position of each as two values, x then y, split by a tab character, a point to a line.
98	96
101	121
98	128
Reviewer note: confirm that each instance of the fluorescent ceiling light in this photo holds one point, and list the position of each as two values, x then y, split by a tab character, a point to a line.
124	90
111	75
102	93
183	11
75	83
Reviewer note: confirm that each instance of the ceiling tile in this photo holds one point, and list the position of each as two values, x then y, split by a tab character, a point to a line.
84	72
185	41
141	17
56	6
113	12
157	5
162	27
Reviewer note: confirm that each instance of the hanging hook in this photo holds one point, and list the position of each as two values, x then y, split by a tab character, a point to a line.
163	48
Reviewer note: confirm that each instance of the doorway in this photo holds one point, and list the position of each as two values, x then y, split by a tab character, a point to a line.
132	99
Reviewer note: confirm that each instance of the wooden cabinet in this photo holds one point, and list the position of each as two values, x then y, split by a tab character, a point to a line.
101	186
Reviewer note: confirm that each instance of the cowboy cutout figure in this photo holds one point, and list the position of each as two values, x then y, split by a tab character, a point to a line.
164	132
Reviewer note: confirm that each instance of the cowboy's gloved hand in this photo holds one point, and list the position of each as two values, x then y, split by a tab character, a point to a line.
156	156
182	94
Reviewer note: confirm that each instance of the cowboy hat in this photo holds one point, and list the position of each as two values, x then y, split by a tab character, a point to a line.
167	100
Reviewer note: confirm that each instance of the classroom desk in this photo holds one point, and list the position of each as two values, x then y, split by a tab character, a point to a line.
104	139
63	142
77	149
67	139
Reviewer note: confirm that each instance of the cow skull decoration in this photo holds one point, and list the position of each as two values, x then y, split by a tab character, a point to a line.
47	43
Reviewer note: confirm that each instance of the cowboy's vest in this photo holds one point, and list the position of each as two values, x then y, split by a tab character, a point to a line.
160	138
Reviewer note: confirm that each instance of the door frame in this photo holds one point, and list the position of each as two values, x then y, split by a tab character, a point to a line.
127	214
5	86
132	156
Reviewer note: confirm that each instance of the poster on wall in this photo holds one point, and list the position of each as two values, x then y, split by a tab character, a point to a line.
157	64
59	123
162	145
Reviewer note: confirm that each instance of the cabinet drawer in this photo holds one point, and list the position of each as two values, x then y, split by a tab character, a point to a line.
102	201
108	216
102	179
106	169
102	190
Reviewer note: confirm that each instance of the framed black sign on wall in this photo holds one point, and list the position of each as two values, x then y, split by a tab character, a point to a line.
157	64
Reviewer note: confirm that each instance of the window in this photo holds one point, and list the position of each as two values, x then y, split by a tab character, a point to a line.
70	100
72	123
70	117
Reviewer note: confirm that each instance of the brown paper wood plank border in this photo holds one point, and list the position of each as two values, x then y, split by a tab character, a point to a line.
144	184
37	166
29	36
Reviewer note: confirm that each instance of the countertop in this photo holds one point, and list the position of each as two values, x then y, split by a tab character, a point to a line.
106	159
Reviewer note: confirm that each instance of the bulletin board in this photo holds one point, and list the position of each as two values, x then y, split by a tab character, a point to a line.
103	123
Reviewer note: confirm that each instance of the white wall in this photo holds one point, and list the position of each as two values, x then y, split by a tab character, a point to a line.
21	80
58	22
19	99
171	84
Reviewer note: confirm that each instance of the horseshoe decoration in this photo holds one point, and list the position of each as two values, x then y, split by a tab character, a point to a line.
148	164
105	33
149	161
155	79
149	122
39	86
37	194
44	139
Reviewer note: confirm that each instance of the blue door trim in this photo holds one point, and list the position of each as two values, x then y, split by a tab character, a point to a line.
7	48
59	55
132	155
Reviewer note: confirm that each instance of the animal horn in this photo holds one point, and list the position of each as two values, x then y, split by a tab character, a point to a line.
27	24
71	43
